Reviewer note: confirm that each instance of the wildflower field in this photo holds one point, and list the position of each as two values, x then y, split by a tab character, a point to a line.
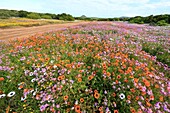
103	67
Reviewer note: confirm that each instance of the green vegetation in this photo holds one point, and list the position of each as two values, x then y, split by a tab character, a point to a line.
160	20
158	51
33	16
46	17
4	14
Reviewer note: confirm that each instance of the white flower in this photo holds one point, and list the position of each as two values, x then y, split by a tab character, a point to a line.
111	39
11	94
52	61
2	95
122	96
34	93
76	103
54	66
31	74
23	98
33	80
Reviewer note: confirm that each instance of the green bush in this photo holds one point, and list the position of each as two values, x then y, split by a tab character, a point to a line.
46	17
4	15
33	16
162	23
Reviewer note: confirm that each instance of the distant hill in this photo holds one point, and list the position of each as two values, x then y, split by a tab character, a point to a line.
160	20
5	13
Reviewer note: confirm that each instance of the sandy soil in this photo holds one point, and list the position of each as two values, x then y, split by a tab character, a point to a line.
24	32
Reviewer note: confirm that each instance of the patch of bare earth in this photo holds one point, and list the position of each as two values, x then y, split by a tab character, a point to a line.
24	32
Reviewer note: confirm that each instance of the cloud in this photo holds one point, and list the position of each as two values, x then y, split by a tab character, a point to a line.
92	8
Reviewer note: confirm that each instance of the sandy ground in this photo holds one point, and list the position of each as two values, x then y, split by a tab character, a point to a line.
24	32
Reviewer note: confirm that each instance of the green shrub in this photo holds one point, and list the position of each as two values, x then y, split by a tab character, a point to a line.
33	16
162	23
4	15
46	17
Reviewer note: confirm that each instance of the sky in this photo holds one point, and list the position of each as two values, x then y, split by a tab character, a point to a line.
91	8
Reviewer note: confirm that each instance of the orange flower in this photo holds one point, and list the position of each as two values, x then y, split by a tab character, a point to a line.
147	100
151	97
116	111
136	80
77	108
114	94
88	67
96	95
108	74
68	65
21	86
65	97
143	93
147	83
132	90
129	97
124	66
156	86
117	81
130	69
78	65
161	98
2	79
133	110
148	104
100	108
104	71
104	65
118	77
46	59
79	79
126	80
152	69
81	100
61	77
137	98
90	77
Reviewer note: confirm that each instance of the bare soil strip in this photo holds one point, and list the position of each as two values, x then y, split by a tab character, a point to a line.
24	32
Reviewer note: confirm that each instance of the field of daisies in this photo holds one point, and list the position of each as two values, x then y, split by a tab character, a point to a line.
102	67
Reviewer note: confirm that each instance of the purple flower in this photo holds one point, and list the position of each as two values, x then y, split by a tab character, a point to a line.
57	106
105	92
43	70
22	58
43	107
157	106
166	108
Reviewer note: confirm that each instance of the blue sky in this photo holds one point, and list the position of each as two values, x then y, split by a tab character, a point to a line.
91	8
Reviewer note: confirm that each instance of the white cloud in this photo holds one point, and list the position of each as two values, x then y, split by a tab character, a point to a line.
97	8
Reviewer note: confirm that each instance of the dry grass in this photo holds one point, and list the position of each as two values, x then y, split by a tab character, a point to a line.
16	22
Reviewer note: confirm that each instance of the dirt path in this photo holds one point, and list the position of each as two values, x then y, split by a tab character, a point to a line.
8	34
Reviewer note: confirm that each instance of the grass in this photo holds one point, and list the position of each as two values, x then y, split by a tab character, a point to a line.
24	22
93	68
